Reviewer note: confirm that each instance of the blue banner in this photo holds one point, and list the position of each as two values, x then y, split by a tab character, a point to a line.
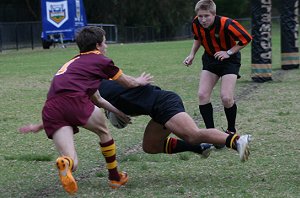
62	18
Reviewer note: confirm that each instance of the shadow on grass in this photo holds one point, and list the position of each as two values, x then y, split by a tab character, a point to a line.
30	157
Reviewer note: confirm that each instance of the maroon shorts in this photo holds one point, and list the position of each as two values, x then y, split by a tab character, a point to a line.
73	109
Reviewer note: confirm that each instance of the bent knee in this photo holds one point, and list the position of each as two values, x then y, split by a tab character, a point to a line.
227	101
203	96
150	149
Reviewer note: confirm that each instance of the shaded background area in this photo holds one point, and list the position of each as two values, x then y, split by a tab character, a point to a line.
136	20
127	12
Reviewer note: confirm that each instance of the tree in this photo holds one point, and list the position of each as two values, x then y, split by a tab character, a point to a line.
234	8
19	10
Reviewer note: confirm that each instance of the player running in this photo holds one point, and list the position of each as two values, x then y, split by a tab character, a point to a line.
73	100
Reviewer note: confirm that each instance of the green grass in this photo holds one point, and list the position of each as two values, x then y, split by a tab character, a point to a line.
268	111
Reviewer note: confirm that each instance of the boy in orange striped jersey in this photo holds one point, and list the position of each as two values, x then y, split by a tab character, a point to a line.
222	39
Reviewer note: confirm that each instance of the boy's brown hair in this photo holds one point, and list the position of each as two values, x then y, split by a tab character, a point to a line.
208	5
88	37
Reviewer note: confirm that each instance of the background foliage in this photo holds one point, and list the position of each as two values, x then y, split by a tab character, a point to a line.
130	12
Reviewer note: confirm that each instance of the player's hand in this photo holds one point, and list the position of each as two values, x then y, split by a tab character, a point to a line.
188	60
30	128
145	79
221	55
125	118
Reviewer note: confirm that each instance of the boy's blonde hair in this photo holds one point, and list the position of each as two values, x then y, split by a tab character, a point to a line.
208	5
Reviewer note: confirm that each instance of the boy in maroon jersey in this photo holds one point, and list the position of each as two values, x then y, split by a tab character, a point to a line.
73	100
222	39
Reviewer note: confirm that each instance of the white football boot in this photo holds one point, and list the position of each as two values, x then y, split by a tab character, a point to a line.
243	147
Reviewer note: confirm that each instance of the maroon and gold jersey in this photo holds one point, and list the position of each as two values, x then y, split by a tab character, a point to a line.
221	36
83	74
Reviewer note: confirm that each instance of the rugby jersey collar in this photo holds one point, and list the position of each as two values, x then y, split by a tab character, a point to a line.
217	18
91	52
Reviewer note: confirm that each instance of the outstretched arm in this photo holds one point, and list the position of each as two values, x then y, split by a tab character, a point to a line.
34	128
97	100
131	82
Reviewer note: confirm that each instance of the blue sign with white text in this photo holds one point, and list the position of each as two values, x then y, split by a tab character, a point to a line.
61	19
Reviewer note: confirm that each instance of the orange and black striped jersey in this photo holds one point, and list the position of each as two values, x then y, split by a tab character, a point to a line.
221	36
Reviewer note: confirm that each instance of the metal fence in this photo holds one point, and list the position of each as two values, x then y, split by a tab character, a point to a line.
153	33
111	31
20	35
28	34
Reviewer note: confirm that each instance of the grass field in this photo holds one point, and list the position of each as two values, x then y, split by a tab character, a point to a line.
268	111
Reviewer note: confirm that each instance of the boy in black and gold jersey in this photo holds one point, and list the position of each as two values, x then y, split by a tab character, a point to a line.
222	39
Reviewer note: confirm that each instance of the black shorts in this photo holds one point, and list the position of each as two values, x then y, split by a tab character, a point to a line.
166	106
220	68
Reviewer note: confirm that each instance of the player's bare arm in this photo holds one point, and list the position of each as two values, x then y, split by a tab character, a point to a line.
102	103
131	82
31	128
189	59
221	55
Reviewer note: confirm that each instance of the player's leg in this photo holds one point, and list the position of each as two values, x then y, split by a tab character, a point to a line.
97	124
184	127
206	84
157	140
154	138
68	161
227	96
